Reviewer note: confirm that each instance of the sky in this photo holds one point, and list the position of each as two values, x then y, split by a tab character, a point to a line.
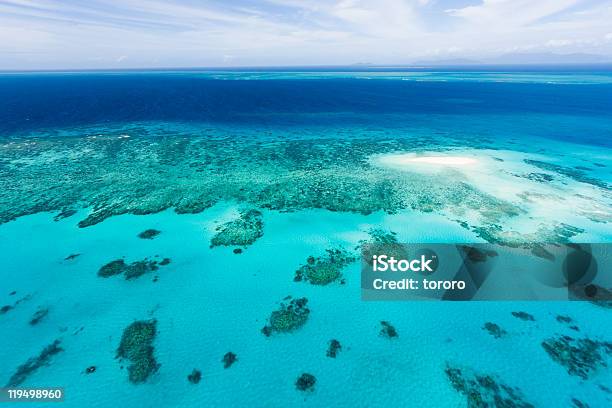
78	34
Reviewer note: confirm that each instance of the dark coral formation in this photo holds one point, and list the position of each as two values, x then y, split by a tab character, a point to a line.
112	268
195	376
387	330
71	257
581	357
242	231
324	270
576	403
564	319
7	308
139	268
288	317
90	370
40	314
149	234
34	363
130	271
523	316
64	213
494	330
228	359
334	348
380	236
137	346
484	390
305	382
476	255
573	173
539	177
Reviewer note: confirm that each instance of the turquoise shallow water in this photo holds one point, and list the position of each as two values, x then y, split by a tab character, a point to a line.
209	301
122	157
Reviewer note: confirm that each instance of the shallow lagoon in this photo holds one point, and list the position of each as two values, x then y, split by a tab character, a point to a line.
90	190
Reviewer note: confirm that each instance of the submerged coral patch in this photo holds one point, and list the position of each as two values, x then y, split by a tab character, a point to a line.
573	173
484	390
494	330
325	269
305	382
112	268
334	348
476	255
288	317
228	359
7	308
132	270
581	357
388	330
34	363
242	231
149	234
39	315
523	316
137	346
195	376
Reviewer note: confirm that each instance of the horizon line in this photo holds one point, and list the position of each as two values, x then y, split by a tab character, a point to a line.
355	66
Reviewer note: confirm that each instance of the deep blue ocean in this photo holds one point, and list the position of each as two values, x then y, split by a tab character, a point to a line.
31	101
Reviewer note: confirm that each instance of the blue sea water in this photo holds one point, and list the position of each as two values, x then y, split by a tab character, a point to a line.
209	301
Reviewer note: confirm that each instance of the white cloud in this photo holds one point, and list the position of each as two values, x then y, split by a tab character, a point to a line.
54	34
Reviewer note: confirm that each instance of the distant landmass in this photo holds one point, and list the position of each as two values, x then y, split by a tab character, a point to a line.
453	61
524	58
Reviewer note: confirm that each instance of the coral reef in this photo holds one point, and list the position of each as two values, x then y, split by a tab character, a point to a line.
494	330
334	348
523	316
242	231
564	319
130	271
476	255
34	363
484	390
305	382
288	317
576	403
388	330
195	376
228	359
144	175
324	270
7	308
149	234
137	346
40	314
380	236
573	173
112	268
581	357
